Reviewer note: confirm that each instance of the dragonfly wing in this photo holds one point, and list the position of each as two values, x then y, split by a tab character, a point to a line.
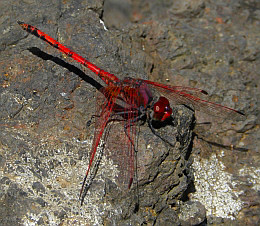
121	151
115	126
191	97
169	89
104	108
122	141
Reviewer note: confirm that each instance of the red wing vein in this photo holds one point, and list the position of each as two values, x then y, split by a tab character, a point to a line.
189	96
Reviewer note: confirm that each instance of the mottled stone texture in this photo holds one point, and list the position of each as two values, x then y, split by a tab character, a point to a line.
46	100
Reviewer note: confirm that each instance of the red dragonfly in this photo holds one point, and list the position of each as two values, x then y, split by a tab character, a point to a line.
130	100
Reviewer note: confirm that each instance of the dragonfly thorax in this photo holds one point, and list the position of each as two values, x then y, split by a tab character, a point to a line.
136	93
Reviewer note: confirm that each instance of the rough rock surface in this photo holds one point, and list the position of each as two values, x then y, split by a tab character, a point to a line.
47	98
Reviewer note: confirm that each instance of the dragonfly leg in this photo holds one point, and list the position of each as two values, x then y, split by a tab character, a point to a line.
133	112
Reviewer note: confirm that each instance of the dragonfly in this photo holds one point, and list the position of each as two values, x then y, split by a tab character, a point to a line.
130	100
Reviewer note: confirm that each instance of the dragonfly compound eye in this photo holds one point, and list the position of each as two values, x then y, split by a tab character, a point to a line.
162	109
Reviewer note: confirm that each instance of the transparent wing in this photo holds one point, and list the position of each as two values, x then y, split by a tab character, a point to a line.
104	109
122	140
192	97
115	125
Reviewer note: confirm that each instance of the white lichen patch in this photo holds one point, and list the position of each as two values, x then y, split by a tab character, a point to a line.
253	176
60	186
214	188
67	181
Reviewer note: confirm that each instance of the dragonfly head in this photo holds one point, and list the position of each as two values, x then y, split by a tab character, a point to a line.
161	109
